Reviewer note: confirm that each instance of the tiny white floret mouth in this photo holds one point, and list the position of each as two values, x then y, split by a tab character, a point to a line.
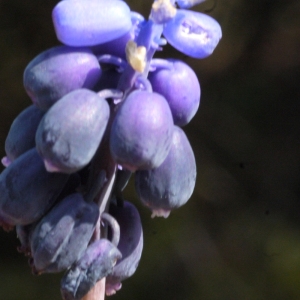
200	33
160	213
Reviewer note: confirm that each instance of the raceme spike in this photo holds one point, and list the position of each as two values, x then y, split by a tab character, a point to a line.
103	107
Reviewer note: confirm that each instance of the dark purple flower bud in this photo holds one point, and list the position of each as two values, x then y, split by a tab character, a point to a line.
63	234
27	190
130	245
58	71
70	132
142	130
21	135
171	184
179	84
96	263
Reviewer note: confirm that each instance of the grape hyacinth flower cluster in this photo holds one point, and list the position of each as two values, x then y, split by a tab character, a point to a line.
102	109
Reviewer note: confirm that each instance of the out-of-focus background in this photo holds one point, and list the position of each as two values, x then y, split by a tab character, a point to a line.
239	235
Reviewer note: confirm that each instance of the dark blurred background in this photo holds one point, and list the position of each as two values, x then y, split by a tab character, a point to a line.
239	235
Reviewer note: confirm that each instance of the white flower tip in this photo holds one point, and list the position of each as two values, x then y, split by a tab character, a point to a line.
111	289
160	213
50	167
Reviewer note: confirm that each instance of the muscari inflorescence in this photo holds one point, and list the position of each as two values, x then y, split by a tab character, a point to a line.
103	108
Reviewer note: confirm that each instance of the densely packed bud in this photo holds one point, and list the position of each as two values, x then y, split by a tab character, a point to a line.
21	135
142	131
130	245
58	71
63	234
171	184
27	190
179	84
71	131
96	263
98	116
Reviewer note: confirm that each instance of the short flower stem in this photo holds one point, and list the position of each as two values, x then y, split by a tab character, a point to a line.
97	292
102	161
